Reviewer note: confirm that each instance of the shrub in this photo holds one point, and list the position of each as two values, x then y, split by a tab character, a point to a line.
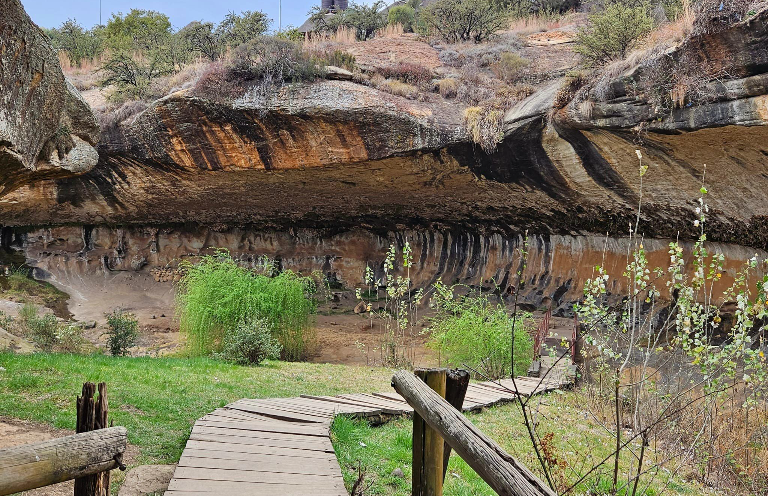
18	281
405	15
471	330
485	125
364	19
509	67
250	343
463	20
200	38
123	331
414	74
340	58
70	338
40	330
613	32
236	29
400	89
79	44
266	62
217	294
447	87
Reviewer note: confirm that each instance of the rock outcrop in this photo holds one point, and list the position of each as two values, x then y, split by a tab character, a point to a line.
325	175
46	129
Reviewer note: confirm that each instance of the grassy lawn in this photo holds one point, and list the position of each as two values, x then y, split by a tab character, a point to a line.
579	443
158	399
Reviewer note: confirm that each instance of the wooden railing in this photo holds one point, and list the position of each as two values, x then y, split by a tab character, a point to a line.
87	456
438	423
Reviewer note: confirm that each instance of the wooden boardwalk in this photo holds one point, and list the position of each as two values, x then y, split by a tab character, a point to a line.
282	446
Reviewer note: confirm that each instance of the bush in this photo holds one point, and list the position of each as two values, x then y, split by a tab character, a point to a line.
447	87
463	20
613	32
79	44
236	29
414	74
266	62
472	331
365	20
485	125
340	58
40	330
250	343
509	67
70	338
123	331
405	15
217	294
400	89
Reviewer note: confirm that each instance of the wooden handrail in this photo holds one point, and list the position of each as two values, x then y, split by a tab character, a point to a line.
57	460
505	475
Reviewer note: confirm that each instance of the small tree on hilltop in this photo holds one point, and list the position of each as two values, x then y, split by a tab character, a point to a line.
613	32
236	29
463	20
364	19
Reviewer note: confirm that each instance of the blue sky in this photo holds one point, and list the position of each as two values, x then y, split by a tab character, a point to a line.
51	13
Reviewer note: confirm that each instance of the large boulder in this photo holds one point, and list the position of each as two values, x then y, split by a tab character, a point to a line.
46	128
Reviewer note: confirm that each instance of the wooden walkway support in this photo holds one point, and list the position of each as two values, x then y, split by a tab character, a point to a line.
282	445
503	473
49	462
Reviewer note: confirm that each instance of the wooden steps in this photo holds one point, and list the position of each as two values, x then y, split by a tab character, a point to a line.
282	446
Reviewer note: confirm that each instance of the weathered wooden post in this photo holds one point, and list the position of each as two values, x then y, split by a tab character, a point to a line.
506	475
92	415
428	446
456	383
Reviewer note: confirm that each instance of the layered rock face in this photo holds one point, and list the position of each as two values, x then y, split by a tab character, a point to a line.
46	129
325	175
555	270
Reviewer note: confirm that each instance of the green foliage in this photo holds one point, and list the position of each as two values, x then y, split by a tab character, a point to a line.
463	20
216	295
509	67
142	31
340	58
78	43
612	32
365	20
290	33
250	343
142	49
236	29
70	338
41	330
199	38
405	15
472	331
123	332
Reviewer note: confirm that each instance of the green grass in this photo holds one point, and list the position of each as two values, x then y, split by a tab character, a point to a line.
158	399
20	287
577	440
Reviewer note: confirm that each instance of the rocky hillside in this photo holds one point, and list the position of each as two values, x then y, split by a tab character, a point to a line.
329	157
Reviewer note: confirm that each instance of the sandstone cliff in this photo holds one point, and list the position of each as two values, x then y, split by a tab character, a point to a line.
46	129
334	163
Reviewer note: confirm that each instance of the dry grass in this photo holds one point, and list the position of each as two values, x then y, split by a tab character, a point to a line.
390	31
342	36
447	87
399	88
524	26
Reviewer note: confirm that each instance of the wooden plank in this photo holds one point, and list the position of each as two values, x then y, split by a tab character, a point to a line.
211	474
258	457
285	488
290	407
329	408
299	429
277	443
221	448
280	414
355	406
264	463
221	431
